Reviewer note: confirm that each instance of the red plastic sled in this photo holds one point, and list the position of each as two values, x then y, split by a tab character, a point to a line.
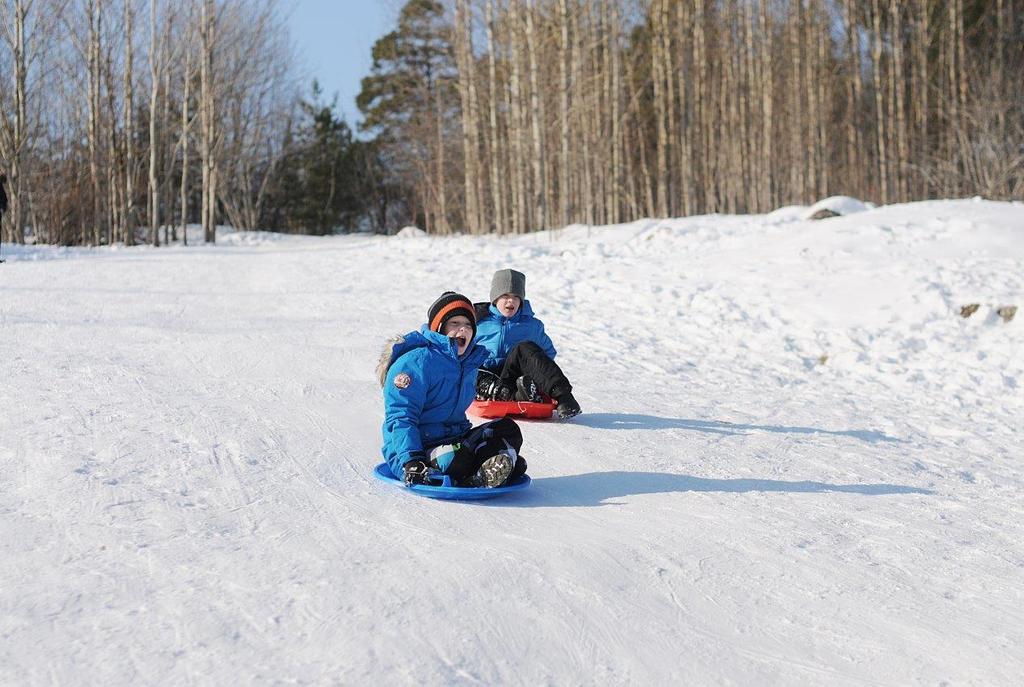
493	409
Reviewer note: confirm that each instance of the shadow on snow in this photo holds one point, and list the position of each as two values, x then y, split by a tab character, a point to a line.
637	421
595	488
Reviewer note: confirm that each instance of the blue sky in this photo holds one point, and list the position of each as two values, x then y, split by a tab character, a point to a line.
333	40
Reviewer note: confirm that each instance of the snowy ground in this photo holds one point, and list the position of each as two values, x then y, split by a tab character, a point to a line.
797	464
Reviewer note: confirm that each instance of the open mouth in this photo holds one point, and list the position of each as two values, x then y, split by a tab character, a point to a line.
461	340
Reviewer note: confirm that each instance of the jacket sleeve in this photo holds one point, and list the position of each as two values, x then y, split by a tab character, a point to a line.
405	389
544	341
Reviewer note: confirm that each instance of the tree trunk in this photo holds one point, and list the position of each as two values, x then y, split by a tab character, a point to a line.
185	126
1000	66
660	108
920	89
564	194
753	175
851	123
441	190
899	93
517	133
702	110
672	202
825	110
467	96
14	137
208	117
540	218
155	57
612	46
768	198
128	210
961	54
644	200
95	25
883	162
115	190
590	125
809	86
497	185
799	142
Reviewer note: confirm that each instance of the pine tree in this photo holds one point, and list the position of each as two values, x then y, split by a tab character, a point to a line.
409	103
326	196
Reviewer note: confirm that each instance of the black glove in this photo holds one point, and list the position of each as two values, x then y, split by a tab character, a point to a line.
415	472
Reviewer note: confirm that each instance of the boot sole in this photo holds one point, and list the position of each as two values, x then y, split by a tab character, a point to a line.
493	472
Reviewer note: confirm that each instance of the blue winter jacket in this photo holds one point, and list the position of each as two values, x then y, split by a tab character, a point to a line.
500	334
427	389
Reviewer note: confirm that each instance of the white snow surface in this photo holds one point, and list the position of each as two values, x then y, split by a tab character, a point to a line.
797	463
411	232
841	205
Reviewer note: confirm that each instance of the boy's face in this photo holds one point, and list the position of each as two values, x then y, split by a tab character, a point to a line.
508	304
460	329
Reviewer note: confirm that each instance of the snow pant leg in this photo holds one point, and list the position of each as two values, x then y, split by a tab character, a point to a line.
480	443
527	358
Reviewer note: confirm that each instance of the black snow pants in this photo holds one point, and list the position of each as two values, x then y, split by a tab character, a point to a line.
484	441
529	359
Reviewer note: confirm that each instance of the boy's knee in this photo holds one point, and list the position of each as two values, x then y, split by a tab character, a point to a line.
507	429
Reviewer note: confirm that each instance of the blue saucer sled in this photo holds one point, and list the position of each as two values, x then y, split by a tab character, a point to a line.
446	490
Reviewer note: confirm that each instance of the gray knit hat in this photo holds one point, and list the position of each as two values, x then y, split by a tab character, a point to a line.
508	281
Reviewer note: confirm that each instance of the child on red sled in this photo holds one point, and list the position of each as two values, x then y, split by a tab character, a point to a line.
520	363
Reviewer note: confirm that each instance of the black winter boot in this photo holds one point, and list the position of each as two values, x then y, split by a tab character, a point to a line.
518	470
567	406
526	390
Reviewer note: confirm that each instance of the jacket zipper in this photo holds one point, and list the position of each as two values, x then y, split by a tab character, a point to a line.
458	389
462	373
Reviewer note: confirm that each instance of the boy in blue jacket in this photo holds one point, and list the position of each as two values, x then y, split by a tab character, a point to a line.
429	379
521	357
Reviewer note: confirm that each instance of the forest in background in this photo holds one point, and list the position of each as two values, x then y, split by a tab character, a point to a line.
125	120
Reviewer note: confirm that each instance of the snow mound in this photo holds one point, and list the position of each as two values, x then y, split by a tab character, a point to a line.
789	213
247	238
841	205
411	232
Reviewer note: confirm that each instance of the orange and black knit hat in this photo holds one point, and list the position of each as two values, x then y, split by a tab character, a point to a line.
447	306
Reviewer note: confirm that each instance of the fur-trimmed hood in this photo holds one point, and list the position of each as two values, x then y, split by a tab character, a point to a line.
399	345
387	356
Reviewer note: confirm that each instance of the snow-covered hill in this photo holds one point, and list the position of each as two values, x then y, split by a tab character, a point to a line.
797	463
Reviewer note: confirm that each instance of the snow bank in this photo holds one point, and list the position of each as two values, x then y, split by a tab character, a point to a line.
410	232
840	205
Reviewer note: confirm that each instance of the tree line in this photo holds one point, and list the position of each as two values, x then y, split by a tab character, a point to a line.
125	120
540	113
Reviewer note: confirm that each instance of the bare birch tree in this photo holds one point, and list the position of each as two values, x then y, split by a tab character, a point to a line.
14	131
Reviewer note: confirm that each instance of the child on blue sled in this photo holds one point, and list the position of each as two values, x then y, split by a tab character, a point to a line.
520	363
429	378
